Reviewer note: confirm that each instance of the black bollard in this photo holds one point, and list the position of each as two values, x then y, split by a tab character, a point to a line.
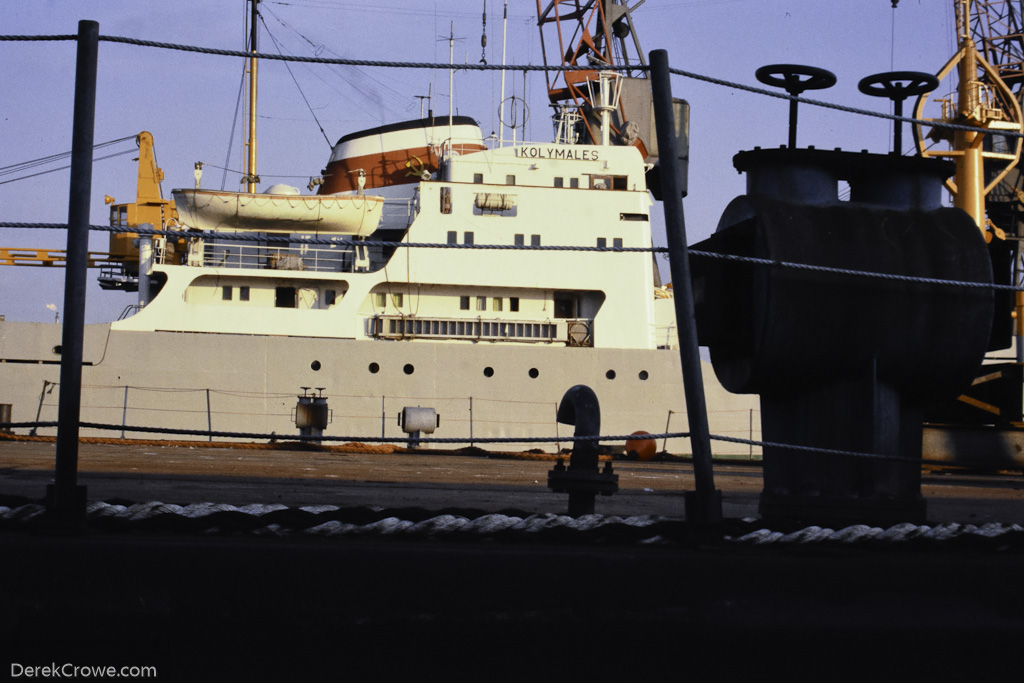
582	480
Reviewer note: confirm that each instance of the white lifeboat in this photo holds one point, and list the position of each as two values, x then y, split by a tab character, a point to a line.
283	210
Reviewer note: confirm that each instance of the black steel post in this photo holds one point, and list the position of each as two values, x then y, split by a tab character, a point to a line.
792	122
704	504
66	499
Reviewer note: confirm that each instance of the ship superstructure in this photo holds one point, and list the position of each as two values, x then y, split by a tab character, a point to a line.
524	196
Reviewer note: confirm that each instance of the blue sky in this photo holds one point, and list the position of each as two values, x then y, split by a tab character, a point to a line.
188	101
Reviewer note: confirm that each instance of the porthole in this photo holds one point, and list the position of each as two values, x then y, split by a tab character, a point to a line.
534	373
315	366
643	375
408	369
610	374
488	371
374	368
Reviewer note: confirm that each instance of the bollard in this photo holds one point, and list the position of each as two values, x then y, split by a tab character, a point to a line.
415	421
582	480
312	414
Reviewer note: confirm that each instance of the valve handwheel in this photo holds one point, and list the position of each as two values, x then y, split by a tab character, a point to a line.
795	79
898	86
787	77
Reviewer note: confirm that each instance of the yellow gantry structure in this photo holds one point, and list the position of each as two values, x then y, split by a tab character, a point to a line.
983	100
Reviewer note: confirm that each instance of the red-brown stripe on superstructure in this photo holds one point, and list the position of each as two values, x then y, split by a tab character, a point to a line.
384	169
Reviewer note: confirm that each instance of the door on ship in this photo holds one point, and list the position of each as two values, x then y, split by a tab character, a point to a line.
566	305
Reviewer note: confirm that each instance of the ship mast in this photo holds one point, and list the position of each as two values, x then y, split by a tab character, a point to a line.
251	178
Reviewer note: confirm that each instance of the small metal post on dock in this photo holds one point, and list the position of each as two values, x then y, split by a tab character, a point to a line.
705	504
65	499
124	412
209	416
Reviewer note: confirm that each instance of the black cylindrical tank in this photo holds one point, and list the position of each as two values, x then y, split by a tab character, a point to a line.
844	364
778	329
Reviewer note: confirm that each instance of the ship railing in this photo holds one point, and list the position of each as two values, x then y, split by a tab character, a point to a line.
342	259
129	311
569	331
458	146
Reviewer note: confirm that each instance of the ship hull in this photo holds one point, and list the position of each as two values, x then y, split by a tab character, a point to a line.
232	383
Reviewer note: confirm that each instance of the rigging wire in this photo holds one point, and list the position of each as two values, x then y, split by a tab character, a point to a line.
24	166
353	83
234	124
296	81
61	168
42	161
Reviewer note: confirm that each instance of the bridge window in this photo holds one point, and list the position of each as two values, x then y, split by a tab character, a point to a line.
609	182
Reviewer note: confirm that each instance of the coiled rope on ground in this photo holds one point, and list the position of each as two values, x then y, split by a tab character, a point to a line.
328	521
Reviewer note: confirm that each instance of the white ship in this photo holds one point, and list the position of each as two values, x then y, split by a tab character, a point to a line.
229	331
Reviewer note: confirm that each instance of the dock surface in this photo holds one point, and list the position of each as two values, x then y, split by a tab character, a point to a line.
231	606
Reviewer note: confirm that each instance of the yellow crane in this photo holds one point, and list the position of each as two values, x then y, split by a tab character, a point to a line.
983	100
120	263
988	66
